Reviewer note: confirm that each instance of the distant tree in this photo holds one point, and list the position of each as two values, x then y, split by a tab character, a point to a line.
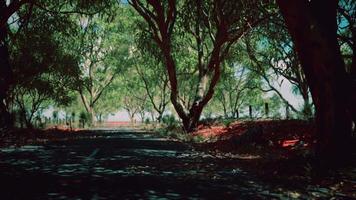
55	117
104	49
155	82
83	118
211	28
236	84
273	57
133	95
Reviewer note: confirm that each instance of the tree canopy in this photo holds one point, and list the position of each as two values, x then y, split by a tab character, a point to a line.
192	59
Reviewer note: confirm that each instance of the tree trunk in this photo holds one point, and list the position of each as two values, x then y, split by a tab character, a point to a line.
5	72
132	118
162	24
20	118
159	117
266	110
28	124
142	116
92	116
307	108
353	79
312	25
287	112
191	123
100	118
250	111
226	115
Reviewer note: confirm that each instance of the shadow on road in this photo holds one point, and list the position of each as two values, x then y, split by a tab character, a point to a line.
108	164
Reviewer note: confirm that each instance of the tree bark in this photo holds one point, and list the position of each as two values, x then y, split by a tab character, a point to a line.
5	71
266	110
307	107
312	25
159	117
250	111
353	78
92	116
161	18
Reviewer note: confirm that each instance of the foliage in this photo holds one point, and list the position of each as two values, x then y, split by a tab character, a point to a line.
44	70
100	57
170	121
154	80
193	42
103	42
273	57
83	118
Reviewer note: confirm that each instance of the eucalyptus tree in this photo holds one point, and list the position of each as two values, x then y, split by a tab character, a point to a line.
272	51
103	46
133	94
275	61
237	83
313	29
211	27
346	20
346	35
44	70
18	12
109	103
154	80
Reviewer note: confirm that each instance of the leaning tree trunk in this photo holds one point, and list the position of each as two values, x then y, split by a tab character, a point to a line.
313	27
307	106
5	73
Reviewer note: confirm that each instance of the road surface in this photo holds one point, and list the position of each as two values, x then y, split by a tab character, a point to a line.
126	165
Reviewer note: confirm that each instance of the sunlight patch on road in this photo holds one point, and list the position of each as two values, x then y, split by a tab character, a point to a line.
155	153
218	155
21	149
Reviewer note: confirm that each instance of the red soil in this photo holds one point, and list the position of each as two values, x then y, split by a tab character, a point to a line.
277	133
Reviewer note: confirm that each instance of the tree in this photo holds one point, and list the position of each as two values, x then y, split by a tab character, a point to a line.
313	28
235	85
347	40
212	27
28	102
274	70
104	52
155	83
133	94
274	58
44	70
109	104
8	9
5	69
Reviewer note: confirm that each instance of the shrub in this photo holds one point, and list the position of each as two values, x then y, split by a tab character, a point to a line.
227	122
170	121
83	118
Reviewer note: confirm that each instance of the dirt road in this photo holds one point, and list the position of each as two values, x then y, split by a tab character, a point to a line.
127	165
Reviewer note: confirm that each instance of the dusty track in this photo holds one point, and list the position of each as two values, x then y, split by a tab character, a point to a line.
128	165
